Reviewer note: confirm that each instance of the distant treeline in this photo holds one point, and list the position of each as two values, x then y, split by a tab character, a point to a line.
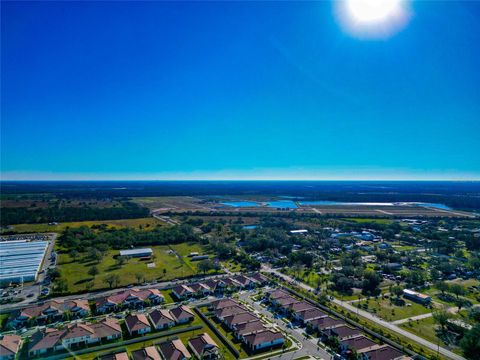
24	215
99	237
456	194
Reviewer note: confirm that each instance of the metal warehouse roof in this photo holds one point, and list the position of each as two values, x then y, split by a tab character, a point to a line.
135	251
21	259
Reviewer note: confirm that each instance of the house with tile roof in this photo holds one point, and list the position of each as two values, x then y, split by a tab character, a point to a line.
137	324
161	319
174	350
203	347
9	346
148	353
263	339
182	314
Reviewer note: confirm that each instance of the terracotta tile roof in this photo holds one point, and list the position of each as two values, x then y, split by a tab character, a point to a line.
299	306
277	294
324	323
9	345
250	327
182	312
262	337
161	316
310	314
148	353
136	322
358	342
231	310
174	350
343	331
382	352
239	318
222	303
203	344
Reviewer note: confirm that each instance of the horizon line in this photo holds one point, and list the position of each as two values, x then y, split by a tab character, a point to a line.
233	179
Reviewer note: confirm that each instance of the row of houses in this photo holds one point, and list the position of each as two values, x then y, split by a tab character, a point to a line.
49	311
201	347
219	286
129	299
349	340
74	335
245	325
139	324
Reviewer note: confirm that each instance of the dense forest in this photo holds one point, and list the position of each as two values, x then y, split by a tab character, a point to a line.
55	213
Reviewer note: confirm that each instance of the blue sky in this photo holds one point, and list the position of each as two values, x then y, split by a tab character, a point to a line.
244	90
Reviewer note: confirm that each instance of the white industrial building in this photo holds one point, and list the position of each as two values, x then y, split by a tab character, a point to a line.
146	252
21	260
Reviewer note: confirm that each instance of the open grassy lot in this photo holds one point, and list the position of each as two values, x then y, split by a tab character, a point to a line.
167	266
389	311
144	223
370	220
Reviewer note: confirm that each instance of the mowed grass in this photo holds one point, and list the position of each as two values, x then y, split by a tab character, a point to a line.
186	249
391	312
75	271
370	220
144	223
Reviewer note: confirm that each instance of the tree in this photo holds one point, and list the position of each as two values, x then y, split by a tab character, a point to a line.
457	290
397	291
206	265
443	287
139	277
95	255
61	285
93	271
441	318
470	343
112	280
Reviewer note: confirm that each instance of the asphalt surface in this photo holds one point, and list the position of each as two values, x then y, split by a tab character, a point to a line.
434	347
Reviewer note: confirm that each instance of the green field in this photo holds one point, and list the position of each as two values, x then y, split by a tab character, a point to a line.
370	220
144	223
390	312
75	272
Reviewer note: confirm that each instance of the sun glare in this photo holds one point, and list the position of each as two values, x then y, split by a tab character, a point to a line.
372	18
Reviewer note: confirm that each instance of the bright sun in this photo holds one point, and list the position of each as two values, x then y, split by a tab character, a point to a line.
373	10
373	18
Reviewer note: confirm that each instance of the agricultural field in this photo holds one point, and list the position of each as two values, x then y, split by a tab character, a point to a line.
141	223
167	266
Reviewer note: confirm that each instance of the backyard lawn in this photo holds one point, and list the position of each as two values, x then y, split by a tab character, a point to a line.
167	267
390	312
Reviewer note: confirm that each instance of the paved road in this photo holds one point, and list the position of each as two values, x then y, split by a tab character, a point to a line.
377	320
309	345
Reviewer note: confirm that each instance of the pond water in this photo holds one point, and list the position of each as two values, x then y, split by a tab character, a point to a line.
241	203
284	204
321	202
250	227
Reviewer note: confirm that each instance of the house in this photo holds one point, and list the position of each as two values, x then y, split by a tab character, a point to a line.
148	353
228	311
245	282
309	314
50	311
299	306
285	302
200	289
233	321
416	296
323	323
78	308
356	343
9	346
231	284
263	339
161	319
132	298
248	328
380	352
137	324
174	350
182	291
182	314
215	286
49	339
222	303
117	356
259	279
341	332
204	347
275	295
